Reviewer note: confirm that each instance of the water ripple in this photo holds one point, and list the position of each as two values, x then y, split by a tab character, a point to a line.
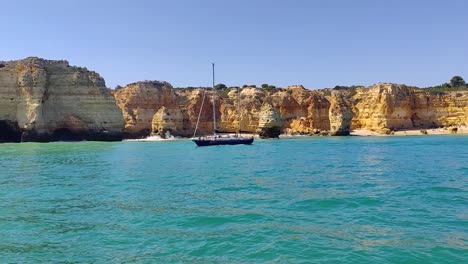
309	200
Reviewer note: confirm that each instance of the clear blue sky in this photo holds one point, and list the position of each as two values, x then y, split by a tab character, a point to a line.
314	43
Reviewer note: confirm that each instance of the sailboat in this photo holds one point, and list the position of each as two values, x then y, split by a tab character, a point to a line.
216	139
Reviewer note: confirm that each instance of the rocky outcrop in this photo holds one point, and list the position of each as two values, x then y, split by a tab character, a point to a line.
158	108
140	101
390	107
252	100
448	109
383	108
302	111
168	122
269	124
46	100
194	103
340	114
293	110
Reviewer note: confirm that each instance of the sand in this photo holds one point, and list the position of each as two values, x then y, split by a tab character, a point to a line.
414	132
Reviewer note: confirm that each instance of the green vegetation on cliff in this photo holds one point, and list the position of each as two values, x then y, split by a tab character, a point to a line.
457	83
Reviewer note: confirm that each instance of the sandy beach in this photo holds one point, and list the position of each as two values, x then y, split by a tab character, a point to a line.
414	132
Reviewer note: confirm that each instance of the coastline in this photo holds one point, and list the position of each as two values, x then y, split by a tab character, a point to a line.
88	110
461	130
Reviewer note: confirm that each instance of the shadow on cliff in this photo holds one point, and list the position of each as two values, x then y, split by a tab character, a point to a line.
65	134
9	131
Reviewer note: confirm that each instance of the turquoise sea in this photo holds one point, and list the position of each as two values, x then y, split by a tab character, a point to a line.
305	200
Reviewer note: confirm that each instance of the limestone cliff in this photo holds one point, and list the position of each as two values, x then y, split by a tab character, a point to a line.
270	123
46	100
195	103
302	111
389	107
168	121
140	101
292	110
150	108
340	114
449	109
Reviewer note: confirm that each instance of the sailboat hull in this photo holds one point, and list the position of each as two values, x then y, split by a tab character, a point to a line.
222	141
216	140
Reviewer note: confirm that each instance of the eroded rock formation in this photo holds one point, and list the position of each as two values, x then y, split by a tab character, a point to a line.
167	122
388	107
139	103
45	100
340	114
294	110
270	124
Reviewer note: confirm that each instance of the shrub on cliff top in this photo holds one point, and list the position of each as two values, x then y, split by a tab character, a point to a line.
456	84
220	86
457	81
225	93
268	87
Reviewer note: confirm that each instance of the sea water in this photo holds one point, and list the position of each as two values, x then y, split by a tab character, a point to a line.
307	200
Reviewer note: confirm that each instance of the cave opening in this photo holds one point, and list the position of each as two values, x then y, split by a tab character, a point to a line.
65	134
9	131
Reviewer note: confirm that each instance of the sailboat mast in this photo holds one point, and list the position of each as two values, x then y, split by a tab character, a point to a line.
214	101
238	111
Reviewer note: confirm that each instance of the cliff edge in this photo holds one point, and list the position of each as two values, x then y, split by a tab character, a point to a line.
49	100
158	108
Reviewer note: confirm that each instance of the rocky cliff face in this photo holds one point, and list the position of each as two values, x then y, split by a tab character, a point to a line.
140	101
269	123
158	109
340	114
44	100
292	110
388	107
449	109
167	122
